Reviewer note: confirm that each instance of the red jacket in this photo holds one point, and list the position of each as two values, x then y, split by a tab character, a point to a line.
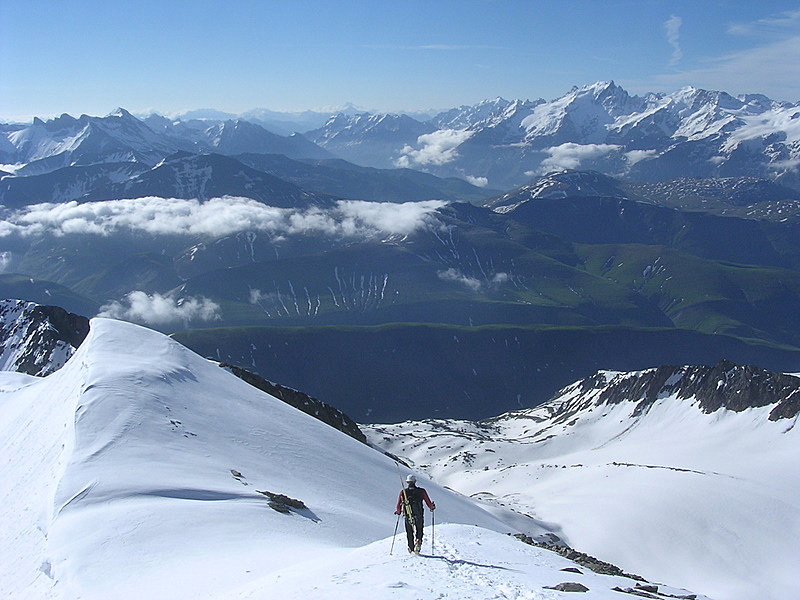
399	509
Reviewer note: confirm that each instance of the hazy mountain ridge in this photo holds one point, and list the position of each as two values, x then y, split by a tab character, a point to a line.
120	137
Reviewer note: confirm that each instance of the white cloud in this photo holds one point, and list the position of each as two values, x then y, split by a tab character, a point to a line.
673	27
784	166
256	296
437	148
140	307
635	156
386	217
572	156
477	181
457	276
217	217
774	25
773	69
474	284
770	66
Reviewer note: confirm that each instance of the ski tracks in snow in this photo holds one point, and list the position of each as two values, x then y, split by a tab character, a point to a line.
458	577
460	568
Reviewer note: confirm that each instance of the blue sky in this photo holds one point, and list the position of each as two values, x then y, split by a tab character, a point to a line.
169	56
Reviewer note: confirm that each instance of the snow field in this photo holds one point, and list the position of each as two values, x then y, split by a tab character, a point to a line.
705	501
467	562
133	472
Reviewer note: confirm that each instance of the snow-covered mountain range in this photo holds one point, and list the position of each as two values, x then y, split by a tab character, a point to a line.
151	472
688	471
119	137
500	143
690	132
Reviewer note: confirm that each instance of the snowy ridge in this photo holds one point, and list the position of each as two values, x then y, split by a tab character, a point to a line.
145	475
639	469
563	184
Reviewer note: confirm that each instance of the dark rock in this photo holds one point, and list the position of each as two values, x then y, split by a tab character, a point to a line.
637	591
283	504
573	570
38	340
584	560
311	406
569	587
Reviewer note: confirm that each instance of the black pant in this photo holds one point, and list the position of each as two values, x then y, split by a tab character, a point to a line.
418	523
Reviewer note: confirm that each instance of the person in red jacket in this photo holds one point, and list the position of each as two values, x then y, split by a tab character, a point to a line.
409	503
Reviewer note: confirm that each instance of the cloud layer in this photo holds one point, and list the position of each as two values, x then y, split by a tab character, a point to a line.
139	307
217	217
572	156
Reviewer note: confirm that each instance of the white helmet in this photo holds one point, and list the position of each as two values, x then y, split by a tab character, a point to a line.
411	479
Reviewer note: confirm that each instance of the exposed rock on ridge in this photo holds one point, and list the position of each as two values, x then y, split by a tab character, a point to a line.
38	340
725	385
311	406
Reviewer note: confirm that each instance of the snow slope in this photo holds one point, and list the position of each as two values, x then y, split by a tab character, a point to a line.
705	500
134	470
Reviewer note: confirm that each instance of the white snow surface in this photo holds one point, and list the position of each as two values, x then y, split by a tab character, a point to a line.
132	472
706	501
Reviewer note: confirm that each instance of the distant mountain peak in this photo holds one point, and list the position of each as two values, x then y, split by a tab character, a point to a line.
120	112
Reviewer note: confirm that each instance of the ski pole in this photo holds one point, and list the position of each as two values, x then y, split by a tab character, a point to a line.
396	523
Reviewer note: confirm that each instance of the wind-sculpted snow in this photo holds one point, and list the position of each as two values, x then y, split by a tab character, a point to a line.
681	471
122	481
216	217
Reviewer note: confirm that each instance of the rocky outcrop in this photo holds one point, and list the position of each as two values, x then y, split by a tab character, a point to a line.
580	558
725	385
311	406
38	340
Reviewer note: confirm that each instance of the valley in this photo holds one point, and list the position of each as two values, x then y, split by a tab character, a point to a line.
362	275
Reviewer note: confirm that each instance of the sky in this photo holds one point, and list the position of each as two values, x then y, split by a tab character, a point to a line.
91	56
